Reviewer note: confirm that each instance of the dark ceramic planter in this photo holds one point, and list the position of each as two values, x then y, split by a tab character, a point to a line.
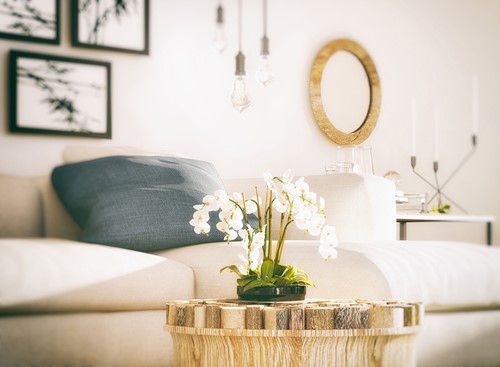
273	294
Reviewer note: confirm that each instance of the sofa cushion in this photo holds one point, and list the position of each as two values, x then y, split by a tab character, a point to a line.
440	274
50	275
84	152
140	203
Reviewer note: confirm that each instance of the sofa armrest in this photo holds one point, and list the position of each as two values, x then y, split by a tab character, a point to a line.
57	222
20	207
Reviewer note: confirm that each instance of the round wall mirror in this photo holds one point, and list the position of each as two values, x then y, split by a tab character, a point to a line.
345	92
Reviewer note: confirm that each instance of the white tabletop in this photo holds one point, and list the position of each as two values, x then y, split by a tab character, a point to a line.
429	217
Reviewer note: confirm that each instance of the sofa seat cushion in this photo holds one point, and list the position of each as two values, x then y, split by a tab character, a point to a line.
136	202
436	273
53	275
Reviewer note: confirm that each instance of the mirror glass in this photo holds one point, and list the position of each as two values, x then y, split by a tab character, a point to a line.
345	91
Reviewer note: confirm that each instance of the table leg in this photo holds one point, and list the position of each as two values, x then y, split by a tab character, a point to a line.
489	233
402	231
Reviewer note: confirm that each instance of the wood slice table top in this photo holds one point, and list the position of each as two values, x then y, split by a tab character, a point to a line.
317	317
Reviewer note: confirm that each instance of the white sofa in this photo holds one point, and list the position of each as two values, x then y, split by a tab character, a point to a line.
65	303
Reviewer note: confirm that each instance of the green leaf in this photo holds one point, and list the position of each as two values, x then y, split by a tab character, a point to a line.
242	282
233	269
291	272
279	270
267	270
257	283
282	282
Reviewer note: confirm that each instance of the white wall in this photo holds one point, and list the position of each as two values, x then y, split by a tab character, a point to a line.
178	97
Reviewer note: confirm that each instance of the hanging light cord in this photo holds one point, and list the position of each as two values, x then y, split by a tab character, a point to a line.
240	58
264	15
239	23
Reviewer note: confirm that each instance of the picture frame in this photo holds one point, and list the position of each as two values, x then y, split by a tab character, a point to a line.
31	20
56	95
110	25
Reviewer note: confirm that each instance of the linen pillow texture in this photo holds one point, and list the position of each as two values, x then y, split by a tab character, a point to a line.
136	202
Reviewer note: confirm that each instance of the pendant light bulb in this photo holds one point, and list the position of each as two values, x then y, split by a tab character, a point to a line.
264	72
220	35
240	97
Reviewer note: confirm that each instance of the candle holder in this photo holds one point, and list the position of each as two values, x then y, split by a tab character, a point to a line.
437	186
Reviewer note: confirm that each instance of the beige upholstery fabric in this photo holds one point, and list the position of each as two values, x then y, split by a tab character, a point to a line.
118	339
57	221
361	207
352	275
459	339
48	275
436	273
20	208
78	153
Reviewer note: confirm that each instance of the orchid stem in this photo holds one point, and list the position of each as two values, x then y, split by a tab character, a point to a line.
270	226
258	208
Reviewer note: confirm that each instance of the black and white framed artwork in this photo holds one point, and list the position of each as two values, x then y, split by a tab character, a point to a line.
57	95
30	20
111	25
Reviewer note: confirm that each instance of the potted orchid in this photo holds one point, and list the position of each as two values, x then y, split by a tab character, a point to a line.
261	275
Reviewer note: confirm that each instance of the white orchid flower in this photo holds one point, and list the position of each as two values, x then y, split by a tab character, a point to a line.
210	203
310	197
327	252
222	226
258	240
200	216
301	185
201	227
321	203
243	258
243	269
255	260
287	176
237	224
230	235
225	216
329	236
268	178
302	220
280	206
238	197
227	206
243	233
251	206
221	196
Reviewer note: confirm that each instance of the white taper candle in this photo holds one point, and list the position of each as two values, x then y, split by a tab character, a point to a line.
475	105
413	127
436	133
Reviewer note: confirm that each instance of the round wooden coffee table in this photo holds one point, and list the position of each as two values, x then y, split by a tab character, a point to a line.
312	333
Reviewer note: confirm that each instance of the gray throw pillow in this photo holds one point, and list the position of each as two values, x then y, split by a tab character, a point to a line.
138	203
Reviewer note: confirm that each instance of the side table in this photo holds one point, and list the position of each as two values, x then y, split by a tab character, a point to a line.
403	219
305	333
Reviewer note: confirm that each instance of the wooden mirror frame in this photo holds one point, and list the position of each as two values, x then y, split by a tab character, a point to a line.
365	129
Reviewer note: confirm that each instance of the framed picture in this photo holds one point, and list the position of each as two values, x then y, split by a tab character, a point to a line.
30	20
59	95
111	25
